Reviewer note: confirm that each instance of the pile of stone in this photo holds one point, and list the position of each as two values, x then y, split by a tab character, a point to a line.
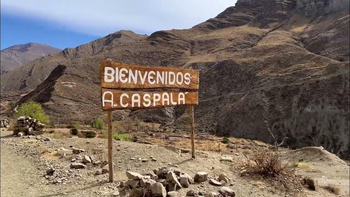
28	126
4	123
164	182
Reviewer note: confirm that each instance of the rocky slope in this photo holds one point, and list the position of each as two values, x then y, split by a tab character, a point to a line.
279	65
18	55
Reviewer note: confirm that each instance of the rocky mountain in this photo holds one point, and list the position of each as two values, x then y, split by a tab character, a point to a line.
277	67
18	55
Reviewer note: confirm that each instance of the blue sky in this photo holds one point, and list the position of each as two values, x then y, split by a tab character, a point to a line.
69	23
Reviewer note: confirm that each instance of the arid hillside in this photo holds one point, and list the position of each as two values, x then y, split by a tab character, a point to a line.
264	65
18	55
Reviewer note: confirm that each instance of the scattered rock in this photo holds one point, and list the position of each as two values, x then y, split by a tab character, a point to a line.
65	151
86	159
133	175
215	182
77	150
171	178
191	193
50	171
223	177
98	172
115	194
311	184
226	191
230	159
77	165
172	194
184	181
158	190
105	170
103	164
201	177
132	183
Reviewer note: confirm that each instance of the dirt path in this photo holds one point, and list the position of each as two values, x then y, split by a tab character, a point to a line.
19	177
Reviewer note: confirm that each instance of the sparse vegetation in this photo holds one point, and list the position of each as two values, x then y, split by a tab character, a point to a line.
268	164
225	140
123	137
33	110
74	131
98	123
89	134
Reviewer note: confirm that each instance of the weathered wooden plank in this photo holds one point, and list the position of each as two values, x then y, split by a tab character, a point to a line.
117	99
123	76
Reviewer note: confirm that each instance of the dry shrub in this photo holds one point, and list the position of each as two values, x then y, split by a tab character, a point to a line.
333	189
269	165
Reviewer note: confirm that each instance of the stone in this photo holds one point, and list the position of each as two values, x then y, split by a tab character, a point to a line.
115	194
173	194
98	172
171	187
226	158
144	160
223	177
103	164
201	177
191	193
154	159
50	171
158	190
63	151
184	181
86	159
133	175
132	183
122	184
152	175
147	181
171	178
77	150
215	182
311	184
105	170
190	179
211	194
76	165
162	172
185	150
226	191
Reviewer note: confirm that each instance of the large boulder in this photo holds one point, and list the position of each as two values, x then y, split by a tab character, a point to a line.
158	190
201	177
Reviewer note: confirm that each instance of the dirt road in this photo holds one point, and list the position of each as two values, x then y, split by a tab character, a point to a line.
19	177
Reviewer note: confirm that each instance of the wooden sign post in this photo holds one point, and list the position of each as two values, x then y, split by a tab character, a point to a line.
147	87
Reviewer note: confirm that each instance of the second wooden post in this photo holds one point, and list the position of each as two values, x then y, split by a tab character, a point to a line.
110	146
192	131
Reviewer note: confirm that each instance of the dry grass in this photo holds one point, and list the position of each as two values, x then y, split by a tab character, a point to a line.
333	189
269	165
60	135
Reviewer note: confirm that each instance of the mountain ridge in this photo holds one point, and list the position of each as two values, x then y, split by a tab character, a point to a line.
270	64
17	55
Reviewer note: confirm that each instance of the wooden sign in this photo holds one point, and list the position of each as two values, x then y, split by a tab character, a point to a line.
116	99
123	76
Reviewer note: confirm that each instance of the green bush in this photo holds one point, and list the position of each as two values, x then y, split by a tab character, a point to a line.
123	137
90	134
98	123
225	140
33	110
74	131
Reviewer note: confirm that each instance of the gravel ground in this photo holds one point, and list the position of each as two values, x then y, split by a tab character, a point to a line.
24	162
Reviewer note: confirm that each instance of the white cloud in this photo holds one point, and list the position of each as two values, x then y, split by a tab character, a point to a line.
101	17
